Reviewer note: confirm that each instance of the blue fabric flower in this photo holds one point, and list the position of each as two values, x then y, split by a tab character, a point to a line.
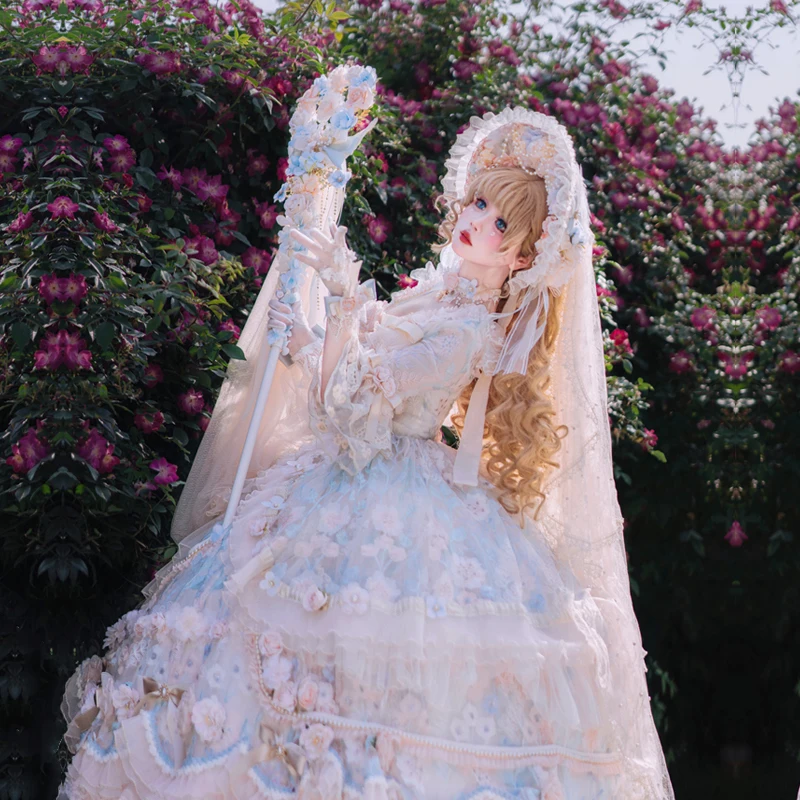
343	119
338	178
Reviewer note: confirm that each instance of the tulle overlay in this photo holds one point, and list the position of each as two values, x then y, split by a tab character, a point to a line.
365	628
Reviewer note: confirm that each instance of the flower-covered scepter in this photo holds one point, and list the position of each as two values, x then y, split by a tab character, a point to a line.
327	126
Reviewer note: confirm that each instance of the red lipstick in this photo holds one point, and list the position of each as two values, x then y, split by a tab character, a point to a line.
465	238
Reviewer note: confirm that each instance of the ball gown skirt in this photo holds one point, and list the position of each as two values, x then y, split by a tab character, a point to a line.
364	629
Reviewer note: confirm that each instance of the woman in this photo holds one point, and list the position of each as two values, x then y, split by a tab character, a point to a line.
387	617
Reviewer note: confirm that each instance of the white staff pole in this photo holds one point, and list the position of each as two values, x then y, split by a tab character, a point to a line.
332	150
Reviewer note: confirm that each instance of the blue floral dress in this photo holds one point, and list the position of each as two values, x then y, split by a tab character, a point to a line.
366	628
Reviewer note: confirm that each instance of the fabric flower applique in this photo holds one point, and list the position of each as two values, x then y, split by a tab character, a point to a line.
270	643
436	607
270	583
468	572
386	519
308	693
285	696
314	599
208	718
354	599
186	623
316	739
381	588
333	517
277	670
125	699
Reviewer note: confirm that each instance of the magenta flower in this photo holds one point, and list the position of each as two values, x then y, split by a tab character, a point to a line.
192	178
769	318
148	422
681	362
641	318
27	452
93	448
406	282
379	229
73	287
257	260
703	318
172	175
103	222
230	325
152	375
116	144
789	362
21	222
159	63
204	248
78	58
257	163
191	402
619	339
735	536
267	214
64	347
212	189
10	144
122	161
63	207
649	439
166	473
7	163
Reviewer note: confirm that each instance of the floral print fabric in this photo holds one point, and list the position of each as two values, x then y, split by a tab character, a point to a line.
365	628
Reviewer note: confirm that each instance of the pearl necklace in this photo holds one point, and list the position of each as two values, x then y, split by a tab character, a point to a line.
459	291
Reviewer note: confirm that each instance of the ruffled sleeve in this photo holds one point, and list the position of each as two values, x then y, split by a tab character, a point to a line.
378	372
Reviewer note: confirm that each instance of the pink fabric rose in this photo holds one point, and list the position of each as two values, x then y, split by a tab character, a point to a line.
314	599
307	693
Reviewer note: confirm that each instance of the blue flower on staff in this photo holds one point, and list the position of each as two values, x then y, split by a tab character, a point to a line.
367	76
312	160
280	195
338	178
343	119
289	280
323	84
295	166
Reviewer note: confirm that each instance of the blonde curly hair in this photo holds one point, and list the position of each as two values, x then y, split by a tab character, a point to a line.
520	439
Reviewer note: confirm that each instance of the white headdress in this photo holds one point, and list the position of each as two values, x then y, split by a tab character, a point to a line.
581	519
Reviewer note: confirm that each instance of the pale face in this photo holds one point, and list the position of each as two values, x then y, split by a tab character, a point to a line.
478	236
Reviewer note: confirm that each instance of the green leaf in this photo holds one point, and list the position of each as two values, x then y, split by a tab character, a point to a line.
234	352
21	334
104	334
659	455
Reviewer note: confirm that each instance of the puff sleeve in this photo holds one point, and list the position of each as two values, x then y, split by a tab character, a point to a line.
377	373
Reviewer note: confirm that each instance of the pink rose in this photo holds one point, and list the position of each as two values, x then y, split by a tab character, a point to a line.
308	693
314	599
286	696
270	643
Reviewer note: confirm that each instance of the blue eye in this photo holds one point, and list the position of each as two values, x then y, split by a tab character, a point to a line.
480	202
500	224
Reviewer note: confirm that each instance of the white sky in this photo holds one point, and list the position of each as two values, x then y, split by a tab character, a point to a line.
688	57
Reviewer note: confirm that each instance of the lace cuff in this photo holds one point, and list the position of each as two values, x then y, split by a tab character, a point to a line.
308	356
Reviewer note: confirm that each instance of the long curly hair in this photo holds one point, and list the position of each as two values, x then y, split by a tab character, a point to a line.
520	439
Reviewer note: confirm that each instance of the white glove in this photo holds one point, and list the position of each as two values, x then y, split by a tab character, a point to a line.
286	320
330	256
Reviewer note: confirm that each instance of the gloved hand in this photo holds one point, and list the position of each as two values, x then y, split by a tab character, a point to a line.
330	256
282	318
